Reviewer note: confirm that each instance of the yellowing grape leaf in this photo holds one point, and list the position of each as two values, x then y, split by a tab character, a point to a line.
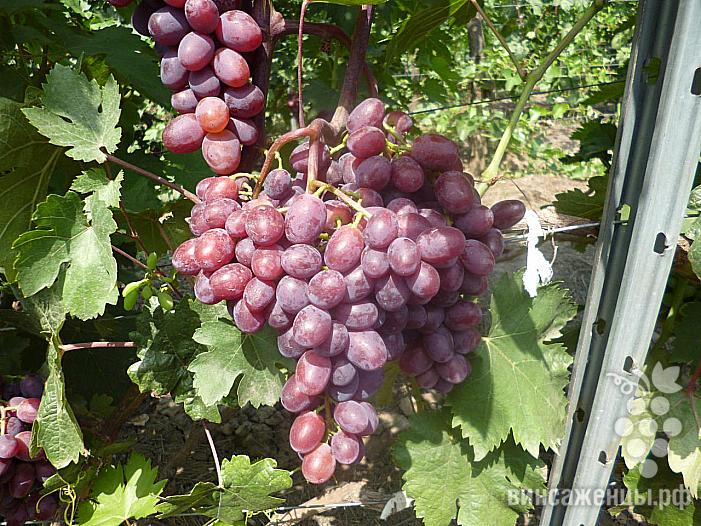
685	446
253	357
121	493
79	114
673	419
518	380
444	480
67	242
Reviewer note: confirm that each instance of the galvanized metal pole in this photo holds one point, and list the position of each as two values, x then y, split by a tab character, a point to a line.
658	147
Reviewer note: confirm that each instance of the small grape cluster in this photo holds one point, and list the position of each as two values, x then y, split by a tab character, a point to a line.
206	48
22	476
381	257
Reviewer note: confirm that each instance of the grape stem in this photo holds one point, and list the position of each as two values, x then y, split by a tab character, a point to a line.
325	32
315	146
491	174
300	45
500	38
270	156
3	418
264	14
158	179
96	345
145	267
356	60
342	197
214	454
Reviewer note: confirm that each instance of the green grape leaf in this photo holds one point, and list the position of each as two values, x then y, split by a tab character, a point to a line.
95	182
248	486
79	114
445	482
130	59
587	205
121	493
518	378
55	428
66	236
641	488
166	348
695	199
232	354
29	161
202	494
46	310
686	333
596	141
695	257
418	25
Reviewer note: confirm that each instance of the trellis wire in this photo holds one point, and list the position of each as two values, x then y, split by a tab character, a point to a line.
512	97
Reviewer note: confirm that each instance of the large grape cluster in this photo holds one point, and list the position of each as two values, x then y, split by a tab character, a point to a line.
384	261
206	50
22	476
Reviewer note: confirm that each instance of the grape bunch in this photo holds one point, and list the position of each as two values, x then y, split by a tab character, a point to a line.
206	51
22	476
383	259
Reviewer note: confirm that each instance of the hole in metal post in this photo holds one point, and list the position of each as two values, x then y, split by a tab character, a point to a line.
603	457
628	364
600	326
579	415
696	83
660	243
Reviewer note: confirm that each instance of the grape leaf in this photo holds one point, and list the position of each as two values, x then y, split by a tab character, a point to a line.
29	161
66	236
596	141
78	113
640	489
130	59
685	448
231	354
121	493
248	487
200	495
95	182
518	380
588	205
695	257
55	428
46	310
166	348
686	333
445	482
674	414
420	24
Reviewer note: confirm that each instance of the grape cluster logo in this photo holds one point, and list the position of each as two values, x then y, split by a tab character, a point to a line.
646	430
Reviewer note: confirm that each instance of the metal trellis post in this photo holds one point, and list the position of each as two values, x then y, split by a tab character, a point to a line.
657	149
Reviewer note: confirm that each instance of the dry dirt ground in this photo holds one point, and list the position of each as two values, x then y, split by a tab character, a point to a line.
167	435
